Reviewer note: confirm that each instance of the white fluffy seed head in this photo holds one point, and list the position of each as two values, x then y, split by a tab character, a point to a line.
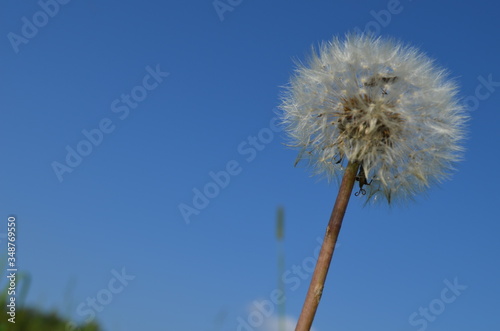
382	104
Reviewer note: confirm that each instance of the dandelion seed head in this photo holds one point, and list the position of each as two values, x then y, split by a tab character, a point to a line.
380	103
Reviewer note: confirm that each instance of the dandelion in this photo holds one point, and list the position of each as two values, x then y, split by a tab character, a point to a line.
375	111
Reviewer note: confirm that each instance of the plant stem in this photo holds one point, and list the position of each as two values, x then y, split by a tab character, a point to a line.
325	256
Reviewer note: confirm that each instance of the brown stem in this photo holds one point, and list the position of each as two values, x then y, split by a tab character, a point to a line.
325	256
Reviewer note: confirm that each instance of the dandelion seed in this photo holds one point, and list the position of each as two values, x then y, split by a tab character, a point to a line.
382	104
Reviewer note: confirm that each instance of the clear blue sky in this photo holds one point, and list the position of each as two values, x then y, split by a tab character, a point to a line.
119	206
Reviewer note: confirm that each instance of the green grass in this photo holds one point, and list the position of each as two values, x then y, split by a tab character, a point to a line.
32	319
29	318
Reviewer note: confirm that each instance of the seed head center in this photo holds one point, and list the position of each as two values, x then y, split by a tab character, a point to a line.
362	117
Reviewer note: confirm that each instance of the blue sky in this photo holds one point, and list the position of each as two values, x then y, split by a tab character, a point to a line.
205	87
